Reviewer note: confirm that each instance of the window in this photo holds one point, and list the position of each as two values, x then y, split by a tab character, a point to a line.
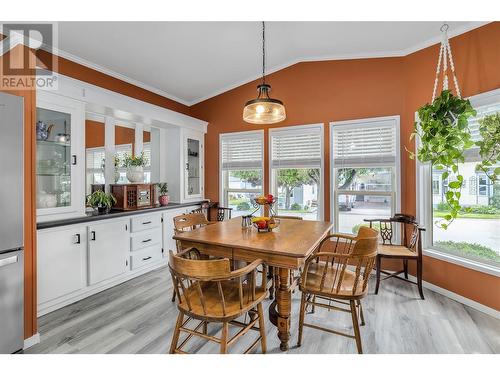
365	171
296	167
120	171
146	148
472	239
95	167
241	164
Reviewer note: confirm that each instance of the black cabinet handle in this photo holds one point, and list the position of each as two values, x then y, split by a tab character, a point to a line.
148	240
146	258
77	238
146	222
92	235
73	159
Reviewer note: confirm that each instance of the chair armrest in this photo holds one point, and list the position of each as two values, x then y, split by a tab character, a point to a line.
247	269
187	252
375	220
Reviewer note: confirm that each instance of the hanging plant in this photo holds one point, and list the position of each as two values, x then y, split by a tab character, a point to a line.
444	133
489	146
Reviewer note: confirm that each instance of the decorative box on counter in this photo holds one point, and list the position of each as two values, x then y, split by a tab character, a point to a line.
133	196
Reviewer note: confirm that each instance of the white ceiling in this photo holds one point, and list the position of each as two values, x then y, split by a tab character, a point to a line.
193	61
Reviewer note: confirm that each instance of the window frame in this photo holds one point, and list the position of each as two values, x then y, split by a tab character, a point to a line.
321	188
395	194
424	199
223	191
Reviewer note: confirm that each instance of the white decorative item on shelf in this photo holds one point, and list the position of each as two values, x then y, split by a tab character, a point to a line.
135	174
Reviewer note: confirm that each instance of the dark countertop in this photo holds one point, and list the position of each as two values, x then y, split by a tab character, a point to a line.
113	214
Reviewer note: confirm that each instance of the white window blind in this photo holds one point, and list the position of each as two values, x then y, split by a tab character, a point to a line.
364	144
241	151
296	148
146	148
95	158
122	150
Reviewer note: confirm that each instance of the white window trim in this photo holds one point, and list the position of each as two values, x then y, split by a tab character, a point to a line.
221	183
397	173
424	199
321	192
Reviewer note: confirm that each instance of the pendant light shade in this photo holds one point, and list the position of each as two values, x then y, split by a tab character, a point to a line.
264	109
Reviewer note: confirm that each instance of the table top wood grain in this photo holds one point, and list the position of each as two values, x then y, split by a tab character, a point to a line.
293	238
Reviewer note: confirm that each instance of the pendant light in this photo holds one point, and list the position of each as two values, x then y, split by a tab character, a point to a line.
264	109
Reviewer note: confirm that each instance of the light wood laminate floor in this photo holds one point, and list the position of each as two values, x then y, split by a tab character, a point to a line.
138	317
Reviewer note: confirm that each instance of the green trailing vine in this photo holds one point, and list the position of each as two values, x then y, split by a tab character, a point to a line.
489	146
444	134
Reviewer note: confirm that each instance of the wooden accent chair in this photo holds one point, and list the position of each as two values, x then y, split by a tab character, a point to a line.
210	292
224	213
186	223
410	247
338	274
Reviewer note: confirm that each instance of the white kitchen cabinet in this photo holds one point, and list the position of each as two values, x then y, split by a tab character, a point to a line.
185	173
193	155
109	247
168	229
61	258
60	157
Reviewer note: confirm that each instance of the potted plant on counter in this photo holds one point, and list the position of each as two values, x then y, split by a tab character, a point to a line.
163	198
101	200
135	167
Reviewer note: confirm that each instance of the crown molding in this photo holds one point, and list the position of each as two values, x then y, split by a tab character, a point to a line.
383	54
121	77
376	55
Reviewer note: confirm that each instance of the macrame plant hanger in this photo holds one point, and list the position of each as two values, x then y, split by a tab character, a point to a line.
444	58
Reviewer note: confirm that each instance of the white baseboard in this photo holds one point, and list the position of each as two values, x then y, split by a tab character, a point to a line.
457	297
30	341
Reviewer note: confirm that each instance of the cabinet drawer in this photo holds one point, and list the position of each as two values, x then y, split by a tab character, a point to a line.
145	239
144	222
145	256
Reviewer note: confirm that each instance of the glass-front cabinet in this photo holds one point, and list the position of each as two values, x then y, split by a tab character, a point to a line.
58	125
193	174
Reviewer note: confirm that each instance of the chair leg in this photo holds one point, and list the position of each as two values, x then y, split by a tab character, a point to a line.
405	267
173	296
262	328
177	332
301	317
205	327
379	265
419	277
273	283
357	333
313	309
361	315
224	338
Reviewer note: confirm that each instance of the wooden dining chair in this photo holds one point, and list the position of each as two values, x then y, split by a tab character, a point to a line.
186	223
210	292
224	213
338	275
409	248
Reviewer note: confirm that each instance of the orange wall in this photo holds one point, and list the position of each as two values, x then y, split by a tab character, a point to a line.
94	135
320	92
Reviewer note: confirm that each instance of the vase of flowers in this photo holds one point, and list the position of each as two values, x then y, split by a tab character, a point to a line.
163	198
135	167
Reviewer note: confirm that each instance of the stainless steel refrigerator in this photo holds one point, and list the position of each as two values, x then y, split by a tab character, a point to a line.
11	224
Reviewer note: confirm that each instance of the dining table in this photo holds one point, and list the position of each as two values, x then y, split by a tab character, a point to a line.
285	248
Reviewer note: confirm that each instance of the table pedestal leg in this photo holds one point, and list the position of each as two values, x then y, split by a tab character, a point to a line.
284	301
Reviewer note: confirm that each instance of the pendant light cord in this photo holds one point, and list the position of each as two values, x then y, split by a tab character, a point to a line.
263	52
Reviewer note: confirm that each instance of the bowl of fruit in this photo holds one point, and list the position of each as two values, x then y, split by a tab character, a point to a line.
265	223
265	199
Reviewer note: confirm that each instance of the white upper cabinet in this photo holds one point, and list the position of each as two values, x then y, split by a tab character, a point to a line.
60	178
193	156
